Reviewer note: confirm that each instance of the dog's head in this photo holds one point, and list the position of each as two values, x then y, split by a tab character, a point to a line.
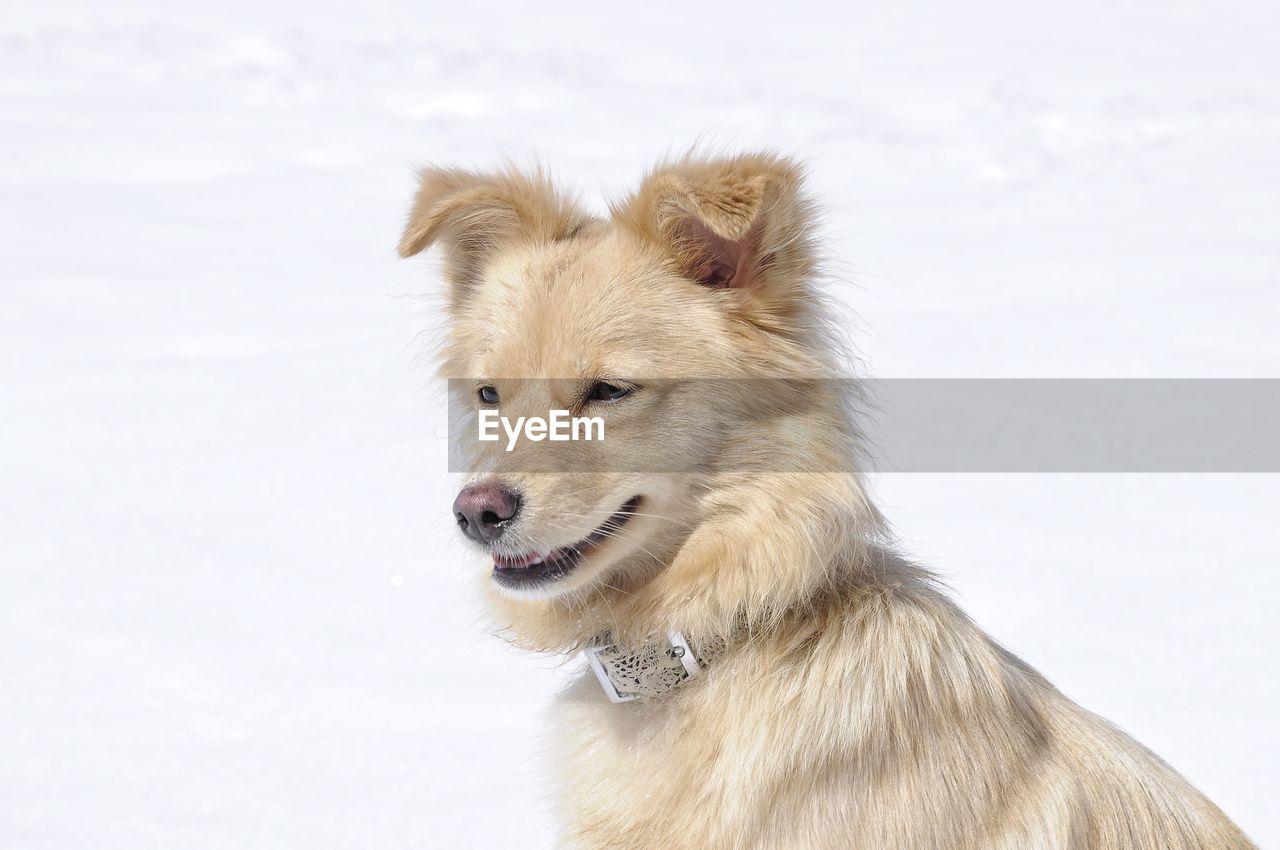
660	322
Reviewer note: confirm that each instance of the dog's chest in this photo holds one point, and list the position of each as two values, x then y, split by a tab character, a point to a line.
624	773
667	773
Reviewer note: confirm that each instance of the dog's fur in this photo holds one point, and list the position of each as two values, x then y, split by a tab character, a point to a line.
857	706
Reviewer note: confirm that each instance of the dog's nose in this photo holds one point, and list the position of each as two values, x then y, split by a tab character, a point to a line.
484	511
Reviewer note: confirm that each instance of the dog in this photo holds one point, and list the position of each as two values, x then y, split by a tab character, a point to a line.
765	670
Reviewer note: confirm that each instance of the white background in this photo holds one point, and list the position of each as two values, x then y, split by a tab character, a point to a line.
233	612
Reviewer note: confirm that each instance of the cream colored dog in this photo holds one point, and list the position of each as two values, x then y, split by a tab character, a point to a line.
784	680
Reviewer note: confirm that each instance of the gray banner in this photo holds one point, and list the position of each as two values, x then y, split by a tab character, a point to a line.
909	425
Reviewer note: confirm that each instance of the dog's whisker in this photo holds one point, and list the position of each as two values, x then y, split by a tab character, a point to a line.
632	513
618	533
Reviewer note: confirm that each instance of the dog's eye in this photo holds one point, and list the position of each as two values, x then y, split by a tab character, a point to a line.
602	391
488	395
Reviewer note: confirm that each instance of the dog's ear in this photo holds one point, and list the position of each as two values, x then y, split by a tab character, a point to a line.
739	223
471	215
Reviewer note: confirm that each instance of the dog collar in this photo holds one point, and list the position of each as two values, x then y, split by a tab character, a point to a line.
653	670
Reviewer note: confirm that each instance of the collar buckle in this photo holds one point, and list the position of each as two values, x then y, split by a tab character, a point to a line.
679	650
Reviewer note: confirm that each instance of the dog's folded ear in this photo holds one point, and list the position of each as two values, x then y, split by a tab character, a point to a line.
737	223
471	215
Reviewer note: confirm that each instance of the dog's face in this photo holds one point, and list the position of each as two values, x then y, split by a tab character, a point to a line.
651	322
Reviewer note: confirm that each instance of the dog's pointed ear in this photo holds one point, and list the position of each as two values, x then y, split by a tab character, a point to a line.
470	215
739	223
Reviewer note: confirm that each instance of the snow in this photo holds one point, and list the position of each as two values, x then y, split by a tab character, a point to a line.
233	611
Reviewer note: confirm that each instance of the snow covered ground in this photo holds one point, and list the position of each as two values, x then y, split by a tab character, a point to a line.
233	612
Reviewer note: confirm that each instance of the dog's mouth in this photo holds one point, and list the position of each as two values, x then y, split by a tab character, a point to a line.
532	568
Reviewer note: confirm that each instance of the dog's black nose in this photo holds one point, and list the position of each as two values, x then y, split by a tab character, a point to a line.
485	510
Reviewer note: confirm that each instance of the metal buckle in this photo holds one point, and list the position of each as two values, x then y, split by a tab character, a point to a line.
679	649
593	658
